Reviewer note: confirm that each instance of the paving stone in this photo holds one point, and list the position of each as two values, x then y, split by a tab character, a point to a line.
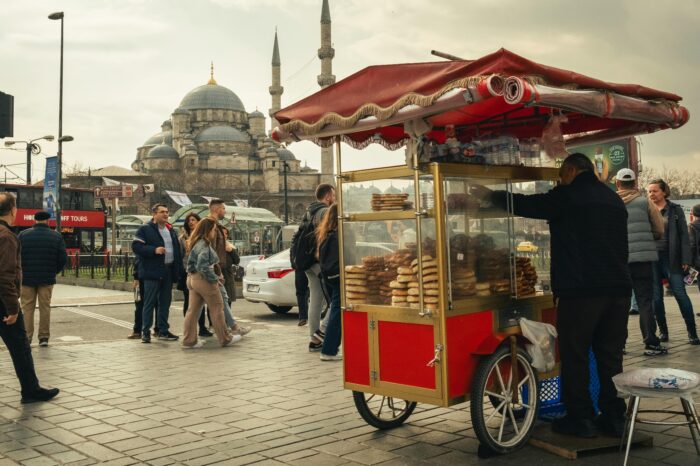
68	457
420	450
62	436
370	456
97	451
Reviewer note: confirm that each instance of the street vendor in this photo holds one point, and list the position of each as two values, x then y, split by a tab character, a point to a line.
591	285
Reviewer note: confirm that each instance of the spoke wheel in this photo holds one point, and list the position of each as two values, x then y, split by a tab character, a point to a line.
382	412
500	424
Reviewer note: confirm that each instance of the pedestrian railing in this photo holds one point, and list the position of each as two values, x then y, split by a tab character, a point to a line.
100	266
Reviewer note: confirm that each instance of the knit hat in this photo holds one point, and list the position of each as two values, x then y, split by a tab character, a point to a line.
41	216
625	174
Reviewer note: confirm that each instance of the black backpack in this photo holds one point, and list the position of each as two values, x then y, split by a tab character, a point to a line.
302	253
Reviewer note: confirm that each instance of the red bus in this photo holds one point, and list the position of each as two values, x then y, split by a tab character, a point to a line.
83	227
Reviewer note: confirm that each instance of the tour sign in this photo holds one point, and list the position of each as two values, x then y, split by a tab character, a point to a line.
111	192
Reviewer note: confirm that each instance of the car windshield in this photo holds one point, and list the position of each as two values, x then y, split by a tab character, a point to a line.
280	255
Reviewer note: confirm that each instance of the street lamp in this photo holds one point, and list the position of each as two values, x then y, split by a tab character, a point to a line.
56	16
31	148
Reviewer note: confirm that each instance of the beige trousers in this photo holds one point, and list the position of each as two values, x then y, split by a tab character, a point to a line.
203	291
28	300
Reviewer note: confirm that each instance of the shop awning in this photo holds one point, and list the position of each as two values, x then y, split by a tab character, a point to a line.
499	93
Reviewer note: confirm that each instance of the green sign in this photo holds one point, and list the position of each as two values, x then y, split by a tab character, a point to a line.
608	158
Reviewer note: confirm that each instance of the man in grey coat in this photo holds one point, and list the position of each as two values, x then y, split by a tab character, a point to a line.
644	225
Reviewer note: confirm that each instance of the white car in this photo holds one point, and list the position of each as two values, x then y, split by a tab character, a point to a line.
271	281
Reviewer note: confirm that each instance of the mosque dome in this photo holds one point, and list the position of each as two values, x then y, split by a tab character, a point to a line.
285	154
164	137
221	133
256	114
162	151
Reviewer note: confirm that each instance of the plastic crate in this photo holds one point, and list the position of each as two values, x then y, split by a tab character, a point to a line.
551	405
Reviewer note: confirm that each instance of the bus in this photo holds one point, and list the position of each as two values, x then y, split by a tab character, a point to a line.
83	227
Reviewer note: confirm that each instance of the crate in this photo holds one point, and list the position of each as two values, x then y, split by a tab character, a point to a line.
551	405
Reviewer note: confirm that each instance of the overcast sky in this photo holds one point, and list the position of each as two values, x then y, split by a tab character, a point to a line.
128	63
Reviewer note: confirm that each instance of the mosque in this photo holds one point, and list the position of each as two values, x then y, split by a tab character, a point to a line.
212	146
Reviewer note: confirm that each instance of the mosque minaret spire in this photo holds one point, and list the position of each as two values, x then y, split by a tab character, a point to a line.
326	78
276	88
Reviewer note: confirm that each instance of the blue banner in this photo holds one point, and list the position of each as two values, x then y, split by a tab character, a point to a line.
50	186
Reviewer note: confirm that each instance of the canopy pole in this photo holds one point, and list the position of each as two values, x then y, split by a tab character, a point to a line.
341	219
448	56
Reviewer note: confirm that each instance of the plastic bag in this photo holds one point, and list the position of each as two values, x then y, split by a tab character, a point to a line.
664	380
542	338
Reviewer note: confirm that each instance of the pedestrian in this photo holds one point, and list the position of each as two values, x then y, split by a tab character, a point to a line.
644	226
217	212
43	257
160	265
325	197
694	235
12	330
328	258
591	286
204	280
301	284
188	227
232	260
138	302
674	260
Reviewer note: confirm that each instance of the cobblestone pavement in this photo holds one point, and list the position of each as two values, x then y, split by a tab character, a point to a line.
266	400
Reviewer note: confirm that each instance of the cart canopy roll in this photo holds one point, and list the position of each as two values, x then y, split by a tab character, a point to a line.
500	92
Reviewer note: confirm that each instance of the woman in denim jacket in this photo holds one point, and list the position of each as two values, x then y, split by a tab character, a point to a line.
203	280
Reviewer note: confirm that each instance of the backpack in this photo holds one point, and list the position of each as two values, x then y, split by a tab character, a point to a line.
302	253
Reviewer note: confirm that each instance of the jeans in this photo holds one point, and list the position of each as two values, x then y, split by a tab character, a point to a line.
157	296
15	338
600	322
333	330
633	305
228	316
301	283
642	280
138	308
662	269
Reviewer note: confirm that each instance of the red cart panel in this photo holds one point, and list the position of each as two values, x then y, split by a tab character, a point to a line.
464	334
356	347
404	351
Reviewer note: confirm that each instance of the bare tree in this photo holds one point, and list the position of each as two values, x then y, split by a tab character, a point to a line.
683	183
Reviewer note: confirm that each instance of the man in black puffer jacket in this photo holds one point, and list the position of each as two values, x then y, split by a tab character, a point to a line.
592	286
43	257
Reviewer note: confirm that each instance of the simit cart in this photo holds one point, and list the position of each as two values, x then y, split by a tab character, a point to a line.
432	301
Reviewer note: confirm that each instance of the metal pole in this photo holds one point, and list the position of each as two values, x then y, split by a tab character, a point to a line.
29	163
286	207
114	226
60	143
249	185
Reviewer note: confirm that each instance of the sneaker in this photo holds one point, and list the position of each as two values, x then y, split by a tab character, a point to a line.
655	350
611	426
146	338
240	330
663	337
301	322
315	346
199	344
43	394
134	336
205	333
694	341
43	342
328	357
167	336
234	339
320	335
575	427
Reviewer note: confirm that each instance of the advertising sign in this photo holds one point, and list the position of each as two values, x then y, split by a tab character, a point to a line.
180	199
608	158
50	196
69	218
113	192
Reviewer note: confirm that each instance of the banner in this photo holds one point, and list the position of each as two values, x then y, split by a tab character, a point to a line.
208	198
608	158
50	197
180	199
241	202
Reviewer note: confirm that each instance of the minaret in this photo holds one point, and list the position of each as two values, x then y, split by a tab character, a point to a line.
276	89
326	78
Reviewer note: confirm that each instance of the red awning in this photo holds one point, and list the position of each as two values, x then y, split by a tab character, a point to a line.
499	93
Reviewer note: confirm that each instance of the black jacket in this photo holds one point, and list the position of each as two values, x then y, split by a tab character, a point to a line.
151	265
43	255
694	234
329	256
678	242
588	226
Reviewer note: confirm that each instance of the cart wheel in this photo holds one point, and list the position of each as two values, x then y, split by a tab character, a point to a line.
500	424
382	412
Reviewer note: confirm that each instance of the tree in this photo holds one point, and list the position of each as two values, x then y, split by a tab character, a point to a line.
683	183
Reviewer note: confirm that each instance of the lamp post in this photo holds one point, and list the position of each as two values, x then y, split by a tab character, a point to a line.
285	167
56	16
31	148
